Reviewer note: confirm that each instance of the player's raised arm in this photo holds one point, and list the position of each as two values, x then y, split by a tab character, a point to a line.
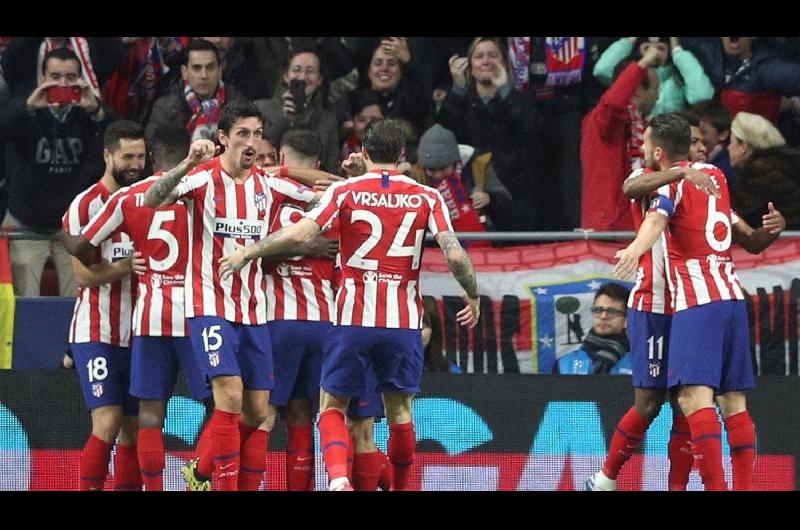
163	192
461	267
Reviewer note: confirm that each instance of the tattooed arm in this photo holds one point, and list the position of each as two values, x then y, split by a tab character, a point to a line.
163	192
282	242
461	267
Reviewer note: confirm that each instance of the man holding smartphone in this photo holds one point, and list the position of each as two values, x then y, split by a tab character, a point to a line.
57	137
300	106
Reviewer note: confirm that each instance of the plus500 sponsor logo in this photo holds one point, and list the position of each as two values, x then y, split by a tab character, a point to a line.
121	250
237	228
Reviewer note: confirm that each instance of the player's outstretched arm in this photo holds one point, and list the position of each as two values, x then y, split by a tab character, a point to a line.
755	241
646	183
100	273
654	223
163	192
277	244
313	178
461	267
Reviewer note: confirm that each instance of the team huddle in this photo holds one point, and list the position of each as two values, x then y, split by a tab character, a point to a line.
687	318
228	273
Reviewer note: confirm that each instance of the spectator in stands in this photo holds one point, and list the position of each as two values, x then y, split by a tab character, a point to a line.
269	55
748	76
611	143
465	178
557	71
393	77
681	79
23	61
282	113
768	170
483	110
140	80
364	107
195	101
606	349
57	154
715	124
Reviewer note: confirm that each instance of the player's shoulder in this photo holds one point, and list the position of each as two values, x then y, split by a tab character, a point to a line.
711	169
639	172
87	195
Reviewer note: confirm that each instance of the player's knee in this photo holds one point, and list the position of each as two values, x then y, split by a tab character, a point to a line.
228	393
106	423
151	414
398	407
298	411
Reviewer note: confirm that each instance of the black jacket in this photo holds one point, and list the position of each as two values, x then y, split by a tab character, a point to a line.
52	160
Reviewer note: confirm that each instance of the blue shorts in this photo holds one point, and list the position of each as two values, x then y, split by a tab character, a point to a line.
649	335
105	375
395	354
710	346
370	403
228	348
154	368
297	353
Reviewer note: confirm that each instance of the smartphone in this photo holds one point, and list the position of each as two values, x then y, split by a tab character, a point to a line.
63	94
297	88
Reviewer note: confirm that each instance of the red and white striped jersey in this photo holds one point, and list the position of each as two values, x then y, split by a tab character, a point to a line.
300	288
699	263
650	291
103	313
221	213
382	218
161	235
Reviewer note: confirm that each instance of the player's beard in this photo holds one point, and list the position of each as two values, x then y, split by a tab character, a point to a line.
124	177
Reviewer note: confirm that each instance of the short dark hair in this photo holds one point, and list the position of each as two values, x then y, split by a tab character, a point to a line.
621	68
671	132
359	99
199	45
304	141
170	143
615	291
63	54
384	139
690	117
235	109
714	112
119	130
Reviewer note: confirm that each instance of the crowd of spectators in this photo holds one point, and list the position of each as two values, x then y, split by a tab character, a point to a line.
523	133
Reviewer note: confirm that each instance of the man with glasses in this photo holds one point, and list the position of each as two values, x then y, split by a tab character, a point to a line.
606	348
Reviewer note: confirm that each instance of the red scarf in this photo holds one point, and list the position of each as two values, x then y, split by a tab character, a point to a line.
463	215
205	114
636	127
81	49
135	85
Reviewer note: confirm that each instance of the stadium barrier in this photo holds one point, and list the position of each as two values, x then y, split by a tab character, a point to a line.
474	432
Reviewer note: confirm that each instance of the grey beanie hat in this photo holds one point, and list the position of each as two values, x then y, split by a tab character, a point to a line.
438	148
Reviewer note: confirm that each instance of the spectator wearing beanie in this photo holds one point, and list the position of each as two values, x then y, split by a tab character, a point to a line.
768	170
464	177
